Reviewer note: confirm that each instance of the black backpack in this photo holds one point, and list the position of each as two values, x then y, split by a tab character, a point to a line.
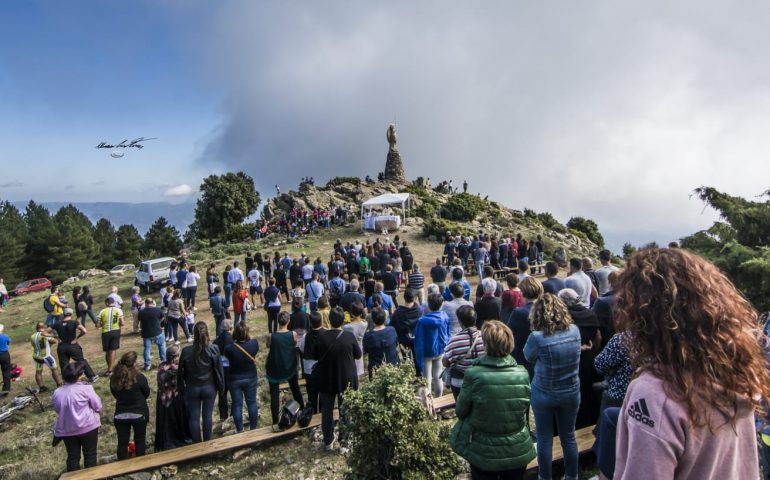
288	416
335	293
47	305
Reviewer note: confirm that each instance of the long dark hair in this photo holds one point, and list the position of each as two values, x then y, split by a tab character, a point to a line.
124	376
201	338
690	327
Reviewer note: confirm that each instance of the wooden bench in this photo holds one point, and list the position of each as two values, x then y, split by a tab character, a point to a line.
584	438
182	454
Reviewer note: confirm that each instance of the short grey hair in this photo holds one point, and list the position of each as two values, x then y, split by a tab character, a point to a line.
433	288
569	296
489	285
227	325
354	284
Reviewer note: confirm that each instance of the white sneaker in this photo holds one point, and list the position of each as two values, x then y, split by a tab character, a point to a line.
189	339
176	342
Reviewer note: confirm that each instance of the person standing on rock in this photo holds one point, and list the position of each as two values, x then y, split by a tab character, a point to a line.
465	186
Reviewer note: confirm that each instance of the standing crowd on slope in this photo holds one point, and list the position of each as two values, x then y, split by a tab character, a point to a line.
650	357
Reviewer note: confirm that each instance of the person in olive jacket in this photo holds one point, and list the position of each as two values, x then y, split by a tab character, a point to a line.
494	436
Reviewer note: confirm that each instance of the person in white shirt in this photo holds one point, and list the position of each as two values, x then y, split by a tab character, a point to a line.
192	288
255	285
580	282
307	271
117	301
235	274
603	272
314	291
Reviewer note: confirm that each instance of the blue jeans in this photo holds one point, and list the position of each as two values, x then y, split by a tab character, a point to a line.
228	294
160	341
605	441
239	316
90	313
563	406
240	387
200	400
52	320
218	319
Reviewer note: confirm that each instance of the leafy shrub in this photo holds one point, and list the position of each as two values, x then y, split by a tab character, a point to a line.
588	227
529	213
547	219
340	180
439	226
463	207
390	435
559	228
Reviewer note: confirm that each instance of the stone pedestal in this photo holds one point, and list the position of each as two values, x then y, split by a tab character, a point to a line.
394	167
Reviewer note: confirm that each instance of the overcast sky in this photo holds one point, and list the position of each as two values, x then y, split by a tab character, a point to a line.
610	110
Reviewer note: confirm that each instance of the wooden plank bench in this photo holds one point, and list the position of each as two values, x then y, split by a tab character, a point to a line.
188	452
585	440
249	438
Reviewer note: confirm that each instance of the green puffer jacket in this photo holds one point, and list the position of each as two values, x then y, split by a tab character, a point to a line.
491	431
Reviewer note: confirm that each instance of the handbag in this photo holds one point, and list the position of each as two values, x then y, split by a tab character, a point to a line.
82	306
454	371
305	416
288	416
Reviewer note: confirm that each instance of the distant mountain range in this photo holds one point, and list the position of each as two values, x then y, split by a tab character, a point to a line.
140	215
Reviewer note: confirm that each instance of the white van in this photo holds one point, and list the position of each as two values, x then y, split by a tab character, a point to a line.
153	272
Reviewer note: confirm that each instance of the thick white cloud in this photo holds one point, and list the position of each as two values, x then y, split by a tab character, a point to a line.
182	190
610	110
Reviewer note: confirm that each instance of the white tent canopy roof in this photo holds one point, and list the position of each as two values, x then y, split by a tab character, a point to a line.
387	199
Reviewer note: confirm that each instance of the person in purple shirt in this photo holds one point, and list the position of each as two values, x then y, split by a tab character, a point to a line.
78	407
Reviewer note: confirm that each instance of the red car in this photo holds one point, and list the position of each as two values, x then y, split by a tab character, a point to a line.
34	285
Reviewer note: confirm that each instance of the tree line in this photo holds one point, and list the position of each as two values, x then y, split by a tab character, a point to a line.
35	243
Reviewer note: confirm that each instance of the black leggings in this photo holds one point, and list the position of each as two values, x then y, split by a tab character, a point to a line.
87	443
513	474
70	351
275	396
123	427
272	318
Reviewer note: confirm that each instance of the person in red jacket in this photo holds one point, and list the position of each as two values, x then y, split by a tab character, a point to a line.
239	301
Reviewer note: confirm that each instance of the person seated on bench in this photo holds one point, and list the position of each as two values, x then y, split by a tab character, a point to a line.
493	435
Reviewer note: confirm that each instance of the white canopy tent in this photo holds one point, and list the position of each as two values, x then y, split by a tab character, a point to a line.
385	199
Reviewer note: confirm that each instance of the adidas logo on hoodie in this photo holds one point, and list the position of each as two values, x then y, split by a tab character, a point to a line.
638	411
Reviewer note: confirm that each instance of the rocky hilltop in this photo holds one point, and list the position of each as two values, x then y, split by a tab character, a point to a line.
436	211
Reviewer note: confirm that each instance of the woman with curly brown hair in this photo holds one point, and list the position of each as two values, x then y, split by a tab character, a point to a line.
700	371
554	349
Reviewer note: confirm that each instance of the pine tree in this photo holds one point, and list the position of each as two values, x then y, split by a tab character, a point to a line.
129	245
105	237
71	244
225	202
39	230
162	238
13	239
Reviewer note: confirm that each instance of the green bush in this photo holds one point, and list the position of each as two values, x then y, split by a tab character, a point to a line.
588	227
463	207
547	219
340	180
439	226
390	435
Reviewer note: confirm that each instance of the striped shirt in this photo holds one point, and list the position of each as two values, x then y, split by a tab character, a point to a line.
416	280
458	352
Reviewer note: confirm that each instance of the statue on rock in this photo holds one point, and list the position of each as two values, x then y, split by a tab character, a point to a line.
394	167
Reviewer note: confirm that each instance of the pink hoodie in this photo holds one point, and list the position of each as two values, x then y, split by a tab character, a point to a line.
656	440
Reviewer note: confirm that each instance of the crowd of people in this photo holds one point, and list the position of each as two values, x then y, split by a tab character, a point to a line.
650	357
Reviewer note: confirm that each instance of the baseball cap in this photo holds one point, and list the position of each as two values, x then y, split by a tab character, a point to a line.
68	312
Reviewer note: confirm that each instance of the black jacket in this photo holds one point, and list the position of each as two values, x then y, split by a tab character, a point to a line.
404	321
336	351
201	369
133	400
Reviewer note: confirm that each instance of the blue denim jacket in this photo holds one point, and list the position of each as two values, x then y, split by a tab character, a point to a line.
556	358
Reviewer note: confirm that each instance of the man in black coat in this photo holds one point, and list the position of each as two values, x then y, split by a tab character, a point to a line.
336	351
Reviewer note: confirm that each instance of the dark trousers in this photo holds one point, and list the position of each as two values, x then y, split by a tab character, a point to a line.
244	389
5	366
85	442
515	474
175	323
455	391
327	414
272	318
70	351
218	319
312	393
200	401
189	296
275	396
123	428
605	441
